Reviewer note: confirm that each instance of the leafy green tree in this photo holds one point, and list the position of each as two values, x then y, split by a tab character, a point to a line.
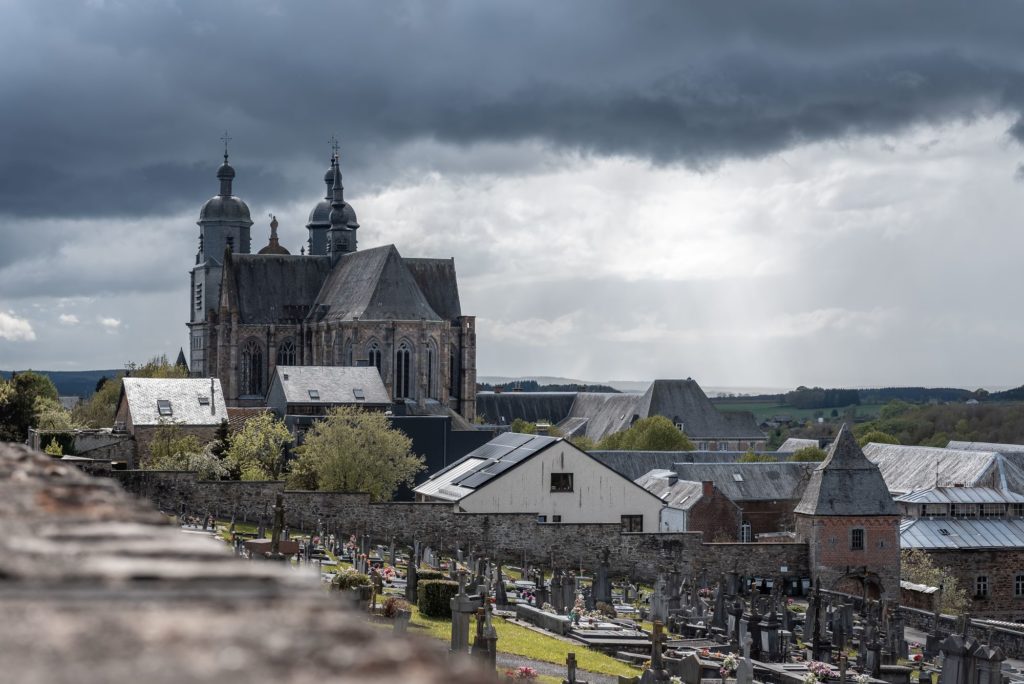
754	457
523	427
352	450
50	415
878	437
18	407
656	433
583	442
894	408
172	449
54	448
256	451
808	455
918	567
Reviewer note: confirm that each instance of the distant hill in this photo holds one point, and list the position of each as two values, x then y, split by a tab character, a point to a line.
73	383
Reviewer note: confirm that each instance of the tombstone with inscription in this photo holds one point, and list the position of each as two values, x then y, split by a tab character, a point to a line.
463	607
745	669
659	603
557	597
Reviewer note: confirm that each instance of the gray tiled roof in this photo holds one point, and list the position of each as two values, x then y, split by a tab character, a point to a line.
955	533
987	446
794	444
277	288
959	495
760	481
142	395
334	384
372	285
634	464
672	491
437	281
909	468
846	483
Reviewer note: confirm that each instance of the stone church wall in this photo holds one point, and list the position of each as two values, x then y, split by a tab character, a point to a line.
511	536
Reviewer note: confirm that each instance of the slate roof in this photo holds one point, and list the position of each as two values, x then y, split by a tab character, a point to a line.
272	288
673	492
846	483
238	416
634	464
184	394
604	413
437	281
483	464
794	444
761	481
956	533
910	468
530	406
333	385
372	285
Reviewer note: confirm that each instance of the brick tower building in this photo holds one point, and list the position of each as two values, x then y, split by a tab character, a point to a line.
851	524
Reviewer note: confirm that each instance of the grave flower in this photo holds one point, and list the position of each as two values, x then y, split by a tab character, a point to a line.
522	674
862	679
728	666
809	678
918	657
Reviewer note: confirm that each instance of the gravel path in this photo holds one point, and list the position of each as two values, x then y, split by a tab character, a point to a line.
507	660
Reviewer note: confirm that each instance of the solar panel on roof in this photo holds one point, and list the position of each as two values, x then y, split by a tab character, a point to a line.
500	467
517	456
475	480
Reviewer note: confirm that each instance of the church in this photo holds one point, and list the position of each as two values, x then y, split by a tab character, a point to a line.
330	305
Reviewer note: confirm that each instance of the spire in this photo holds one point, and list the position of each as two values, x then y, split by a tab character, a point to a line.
337	197
225	173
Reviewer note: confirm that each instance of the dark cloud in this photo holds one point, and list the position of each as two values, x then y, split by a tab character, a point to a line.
115	109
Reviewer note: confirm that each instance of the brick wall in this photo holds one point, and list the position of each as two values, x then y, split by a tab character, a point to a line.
1000	566
715	515
832	558
769	516
512	536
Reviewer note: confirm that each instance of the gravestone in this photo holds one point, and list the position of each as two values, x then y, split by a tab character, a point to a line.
570	670
719	619
500	594
659	603
411	578
462	608
557	595
745	669
602	590
690	669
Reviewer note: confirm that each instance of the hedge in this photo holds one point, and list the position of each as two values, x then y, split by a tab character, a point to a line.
435	597
430	574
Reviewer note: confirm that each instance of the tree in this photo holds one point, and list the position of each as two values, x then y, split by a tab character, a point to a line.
917	566
808	455
18	409
878	437
256	452
656	433
583	442
51	416
172	449
754	457
54	448
352	450
523	427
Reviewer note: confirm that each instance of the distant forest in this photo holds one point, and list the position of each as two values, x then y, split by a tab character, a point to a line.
822	398
74	383
534	386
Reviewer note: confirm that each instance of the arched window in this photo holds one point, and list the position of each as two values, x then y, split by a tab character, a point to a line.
403	373
453	372
348	355
286	353
373	355
431	356
252	368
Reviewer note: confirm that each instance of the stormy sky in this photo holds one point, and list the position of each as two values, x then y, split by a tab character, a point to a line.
751	194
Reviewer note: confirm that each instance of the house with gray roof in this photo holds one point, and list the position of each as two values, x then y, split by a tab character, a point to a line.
910	468
694	506
795	444
195	405
329	305
304	394
543	476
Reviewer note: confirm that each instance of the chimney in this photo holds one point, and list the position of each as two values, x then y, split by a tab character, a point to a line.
707	488
672	479
213	409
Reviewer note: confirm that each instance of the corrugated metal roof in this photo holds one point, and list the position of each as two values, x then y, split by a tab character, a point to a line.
950	495
954	533
635	464
184	395
483	464
987	446
911	468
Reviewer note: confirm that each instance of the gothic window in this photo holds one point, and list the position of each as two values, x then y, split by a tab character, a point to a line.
403	374
373	354
348	355
252	368
431	356
453	372
286	353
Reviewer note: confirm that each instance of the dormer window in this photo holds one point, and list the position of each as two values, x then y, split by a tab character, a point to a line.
204	401
163	407
314	394
358	393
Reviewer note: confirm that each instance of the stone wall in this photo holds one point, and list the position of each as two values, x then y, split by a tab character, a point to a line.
1001	569
514	537
1010	641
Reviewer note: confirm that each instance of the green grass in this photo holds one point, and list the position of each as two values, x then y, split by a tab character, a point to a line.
521	641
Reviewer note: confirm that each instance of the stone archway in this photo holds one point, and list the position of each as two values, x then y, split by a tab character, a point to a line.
859	582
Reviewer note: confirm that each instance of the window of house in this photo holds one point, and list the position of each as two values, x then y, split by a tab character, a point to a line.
992	510
981	586
163	407
702	446
746	534
358	393
1017	510
723	446
632	523
561	482
556	518
542	518
314	395
857	539
964	510
1018	585
373	355
935	509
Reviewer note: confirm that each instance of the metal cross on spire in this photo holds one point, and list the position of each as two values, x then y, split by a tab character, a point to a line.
226	140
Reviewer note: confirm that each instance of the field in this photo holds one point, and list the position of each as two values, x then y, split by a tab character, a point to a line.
764	410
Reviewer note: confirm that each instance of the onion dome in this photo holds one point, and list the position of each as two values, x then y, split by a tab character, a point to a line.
225	206
321	214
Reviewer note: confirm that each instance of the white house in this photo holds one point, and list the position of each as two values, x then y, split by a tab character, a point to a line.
549	477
